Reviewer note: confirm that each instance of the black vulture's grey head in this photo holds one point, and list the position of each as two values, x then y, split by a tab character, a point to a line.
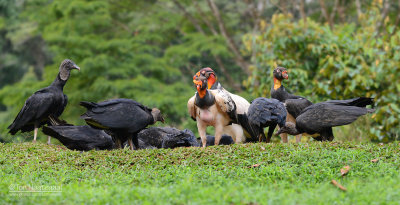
289	128
66	66
69	65
157	115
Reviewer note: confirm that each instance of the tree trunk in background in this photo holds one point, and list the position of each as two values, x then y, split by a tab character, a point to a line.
302	11
384	14
333	13
205	19
324	12
218	60
256	11
358	6
341	11
397	21
238	57
283	5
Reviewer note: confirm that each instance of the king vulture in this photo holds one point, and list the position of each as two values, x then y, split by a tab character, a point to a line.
213	108
45	105
280	93
242	105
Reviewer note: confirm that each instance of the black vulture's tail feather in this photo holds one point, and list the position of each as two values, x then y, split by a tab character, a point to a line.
88	105
12	130
358	102
362	101
19	121
58	122
248	126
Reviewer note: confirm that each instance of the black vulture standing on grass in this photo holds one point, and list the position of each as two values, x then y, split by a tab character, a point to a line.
319	118
225	140
45	104
264	112
125	118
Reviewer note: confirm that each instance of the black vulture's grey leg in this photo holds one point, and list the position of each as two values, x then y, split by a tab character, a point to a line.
298	138
35	133
284	138
118	143
130	143
48	140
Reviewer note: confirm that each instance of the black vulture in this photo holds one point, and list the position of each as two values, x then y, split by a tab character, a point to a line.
82	138
166	137
319	118
125	118
85	138
279	92
225	140
264	112
45	104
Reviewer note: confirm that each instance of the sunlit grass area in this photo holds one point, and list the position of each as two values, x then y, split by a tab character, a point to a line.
248	173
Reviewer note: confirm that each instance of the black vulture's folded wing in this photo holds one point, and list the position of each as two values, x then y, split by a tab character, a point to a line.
319	116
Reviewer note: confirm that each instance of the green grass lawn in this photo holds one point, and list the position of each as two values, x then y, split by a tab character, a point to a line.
287	174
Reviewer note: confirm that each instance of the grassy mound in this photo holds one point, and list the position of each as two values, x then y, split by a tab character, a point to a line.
240	174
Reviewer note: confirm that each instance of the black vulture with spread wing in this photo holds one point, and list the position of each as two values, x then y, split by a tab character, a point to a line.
85	138
45	104
82	138
125	118
264	112
319	118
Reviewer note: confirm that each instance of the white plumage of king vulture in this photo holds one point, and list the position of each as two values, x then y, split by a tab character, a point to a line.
214	108
242	105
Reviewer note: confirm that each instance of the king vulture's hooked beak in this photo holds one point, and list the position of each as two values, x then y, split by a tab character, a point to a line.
285	75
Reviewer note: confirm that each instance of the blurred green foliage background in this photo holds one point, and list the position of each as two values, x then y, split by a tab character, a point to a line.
149	50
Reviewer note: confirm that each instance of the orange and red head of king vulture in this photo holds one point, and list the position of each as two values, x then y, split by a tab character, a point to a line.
280	73
200	82
209	74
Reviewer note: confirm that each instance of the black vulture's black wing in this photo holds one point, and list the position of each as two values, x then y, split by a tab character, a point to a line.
262	111
37	106
296	106
82	138
118	114
61	108
319	116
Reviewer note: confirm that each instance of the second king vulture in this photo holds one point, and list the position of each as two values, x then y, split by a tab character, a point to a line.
214	108
242	105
